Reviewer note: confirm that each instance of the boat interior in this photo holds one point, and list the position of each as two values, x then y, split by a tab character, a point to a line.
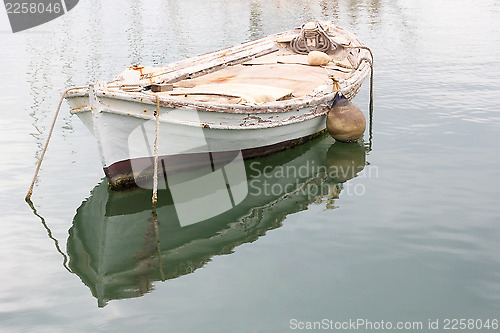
273	77
270	70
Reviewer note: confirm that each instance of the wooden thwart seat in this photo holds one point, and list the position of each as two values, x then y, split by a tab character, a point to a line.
250	93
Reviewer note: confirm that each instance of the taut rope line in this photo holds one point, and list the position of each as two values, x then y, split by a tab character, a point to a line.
155	171
30	191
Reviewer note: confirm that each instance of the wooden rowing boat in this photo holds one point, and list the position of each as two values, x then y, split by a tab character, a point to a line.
255	98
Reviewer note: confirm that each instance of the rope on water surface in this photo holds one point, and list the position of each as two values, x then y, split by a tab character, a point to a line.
30	191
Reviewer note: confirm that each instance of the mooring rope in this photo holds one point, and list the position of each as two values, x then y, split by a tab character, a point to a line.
30	191
155	188
370	61
371	102
322	42
370	107
155	167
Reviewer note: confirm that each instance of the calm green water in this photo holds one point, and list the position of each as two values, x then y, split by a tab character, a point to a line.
414	236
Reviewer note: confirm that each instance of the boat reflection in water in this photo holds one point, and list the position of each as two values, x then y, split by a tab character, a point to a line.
118	250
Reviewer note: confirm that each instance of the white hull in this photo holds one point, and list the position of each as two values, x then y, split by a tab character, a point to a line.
125	130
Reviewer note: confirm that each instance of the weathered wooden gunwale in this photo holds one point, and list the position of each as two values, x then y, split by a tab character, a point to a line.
208	63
